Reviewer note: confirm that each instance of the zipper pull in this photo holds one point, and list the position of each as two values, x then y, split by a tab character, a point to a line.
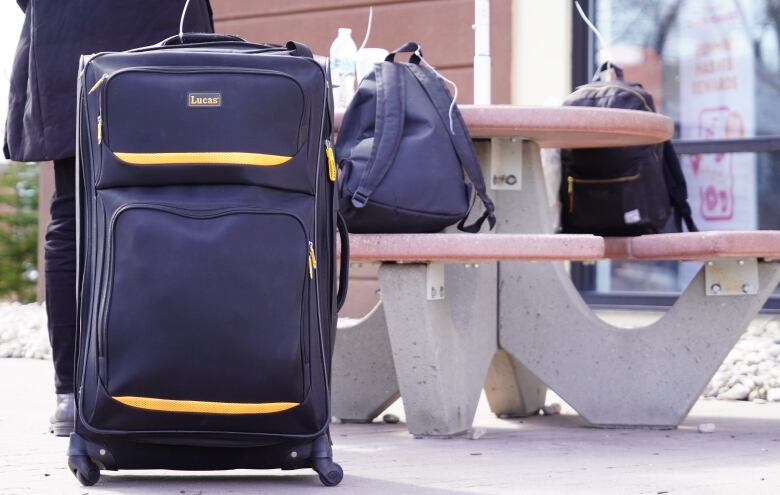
312	260
570	181
100	129
331	160
98	84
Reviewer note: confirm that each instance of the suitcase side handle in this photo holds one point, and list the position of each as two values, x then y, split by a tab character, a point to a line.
341	225
299	49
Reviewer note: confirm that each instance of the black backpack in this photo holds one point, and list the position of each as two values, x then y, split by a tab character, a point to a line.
402	160
621	191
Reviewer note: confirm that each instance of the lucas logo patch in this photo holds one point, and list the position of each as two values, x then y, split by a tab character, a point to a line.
204	99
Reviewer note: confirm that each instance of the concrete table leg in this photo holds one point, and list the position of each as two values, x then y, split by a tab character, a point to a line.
649	376
442	348
612	376
363	379
511	389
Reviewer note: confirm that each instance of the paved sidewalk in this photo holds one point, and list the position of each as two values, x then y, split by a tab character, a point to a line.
541	455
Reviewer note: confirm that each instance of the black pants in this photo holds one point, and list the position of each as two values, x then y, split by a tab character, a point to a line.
60	256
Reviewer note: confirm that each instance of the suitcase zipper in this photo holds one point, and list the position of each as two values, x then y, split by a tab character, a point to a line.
312	260
573	180
98	84
94	88
331	160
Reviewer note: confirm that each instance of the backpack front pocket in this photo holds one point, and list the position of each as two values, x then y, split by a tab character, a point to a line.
594	204
204	311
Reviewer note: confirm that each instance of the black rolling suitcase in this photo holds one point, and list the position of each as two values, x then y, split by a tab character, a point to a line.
207	244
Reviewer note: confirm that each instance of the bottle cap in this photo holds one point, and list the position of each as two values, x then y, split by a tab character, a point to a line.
345	32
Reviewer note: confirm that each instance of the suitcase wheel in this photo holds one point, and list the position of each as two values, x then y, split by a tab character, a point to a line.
86	471
330	473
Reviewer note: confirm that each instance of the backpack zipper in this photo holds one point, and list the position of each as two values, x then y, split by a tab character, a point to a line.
572	180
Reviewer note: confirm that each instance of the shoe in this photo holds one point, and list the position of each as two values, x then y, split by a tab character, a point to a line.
63	419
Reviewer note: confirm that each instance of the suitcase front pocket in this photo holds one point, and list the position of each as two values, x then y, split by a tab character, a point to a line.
204	311
163	125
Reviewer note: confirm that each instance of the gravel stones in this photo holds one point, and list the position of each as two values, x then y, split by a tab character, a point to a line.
707	428
751	371
23	332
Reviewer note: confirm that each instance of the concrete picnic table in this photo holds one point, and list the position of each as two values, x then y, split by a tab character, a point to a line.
367	368
504	325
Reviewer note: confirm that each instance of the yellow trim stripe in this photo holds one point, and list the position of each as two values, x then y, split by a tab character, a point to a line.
197	406
215	157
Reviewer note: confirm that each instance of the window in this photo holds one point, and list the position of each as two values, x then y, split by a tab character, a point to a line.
714	67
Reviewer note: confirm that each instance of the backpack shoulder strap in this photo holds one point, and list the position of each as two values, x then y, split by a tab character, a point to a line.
388	130
678	190
461	141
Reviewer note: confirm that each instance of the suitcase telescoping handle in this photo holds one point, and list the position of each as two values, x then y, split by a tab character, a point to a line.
344	264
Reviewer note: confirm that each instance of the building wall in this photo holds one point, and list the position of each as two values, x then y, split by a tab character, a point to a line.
541	55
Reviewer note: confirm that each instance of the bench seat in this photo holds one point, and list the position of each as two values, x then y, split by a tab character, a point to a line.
470	248
696	246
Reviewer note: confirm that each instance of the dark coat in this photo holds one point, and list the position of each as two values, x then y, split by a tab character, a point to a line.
41	123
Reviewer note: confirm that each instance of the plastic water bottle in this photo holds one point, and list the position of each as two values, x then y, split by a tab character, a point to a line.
343	53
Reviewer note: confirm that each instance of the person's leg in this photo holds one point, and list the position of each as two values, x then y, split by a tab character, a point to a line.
60	257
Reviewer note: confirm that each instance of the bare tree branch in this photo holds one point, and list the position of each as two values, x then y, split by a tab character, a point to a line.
668	19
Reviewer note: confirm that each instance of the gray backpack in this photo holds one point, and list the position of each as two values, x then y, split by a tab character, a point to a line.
402	165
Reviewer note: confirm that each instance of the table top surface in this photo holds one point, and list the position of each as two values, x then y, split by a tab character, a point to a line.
565	127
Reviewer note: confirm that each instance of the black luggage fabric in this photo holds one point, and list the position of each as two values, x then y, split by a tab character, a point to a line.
207	286
402	159
621	191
